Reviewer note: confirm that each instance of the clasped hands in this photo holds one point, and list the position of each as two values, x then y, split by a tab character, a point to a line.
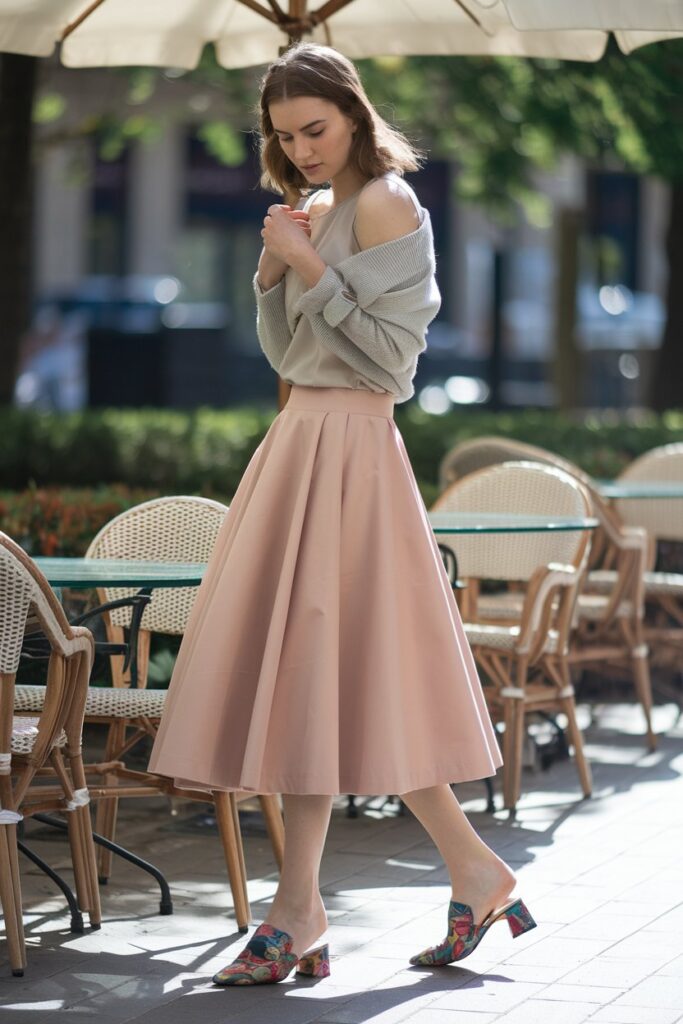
286	232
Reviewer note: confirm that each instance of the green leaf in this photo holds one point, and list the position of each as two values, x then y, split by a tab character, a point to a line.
49	107
223	142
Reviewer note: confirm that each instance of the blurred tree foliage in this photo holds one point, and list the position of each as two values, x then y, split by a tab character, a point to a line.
500	118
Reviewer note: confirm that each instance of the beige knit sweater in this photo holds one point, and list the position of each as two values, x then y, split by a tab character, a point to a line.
372	310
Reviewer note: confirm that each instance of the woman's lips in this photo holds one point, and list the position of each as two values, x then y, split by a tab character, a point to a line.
313	167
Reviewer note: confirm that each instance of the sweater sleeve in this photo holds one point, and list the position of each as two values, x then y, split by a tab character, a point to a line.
386	332
271	322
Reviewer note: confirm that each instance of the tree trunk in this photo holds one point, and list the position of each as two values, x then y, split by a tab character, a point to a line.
17	87
668	377
567	358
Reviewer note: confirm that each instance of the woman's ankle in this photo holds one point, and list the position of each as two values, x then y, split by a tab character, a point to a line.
299	906
492	875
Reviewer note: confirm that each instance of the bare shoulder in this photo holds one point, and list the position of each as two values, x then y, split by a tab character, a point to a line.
384	212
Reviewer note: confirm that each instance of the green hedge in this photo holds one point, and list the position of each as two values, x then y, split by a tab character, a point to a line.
206	452
601	443
170	451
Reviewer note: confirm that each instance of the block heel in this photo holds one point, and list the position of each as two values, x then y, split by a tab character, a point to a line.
315	963
519	919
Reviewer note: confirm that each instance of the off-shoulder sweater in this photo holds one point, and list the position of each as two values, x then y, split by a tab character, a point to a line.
371	310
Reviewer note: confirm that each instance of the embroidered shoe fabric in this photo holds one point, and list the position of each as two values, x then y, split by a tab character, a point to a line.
266	959
464	936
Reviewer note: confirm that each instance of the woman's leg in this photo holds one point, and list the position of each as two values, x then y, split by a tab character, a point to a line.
298	907
478	876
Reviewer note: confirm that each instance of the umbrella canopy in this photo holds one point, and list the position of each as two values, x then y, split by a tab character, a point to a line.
246	32
634	22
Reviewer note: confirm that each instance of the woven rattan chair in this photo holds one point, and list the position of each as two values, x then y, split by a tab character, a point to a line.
662	519
173	529
610	631
50	740
527	662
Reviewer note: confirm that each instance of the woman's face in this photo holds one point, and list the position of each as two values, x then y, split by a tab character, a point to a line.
314	135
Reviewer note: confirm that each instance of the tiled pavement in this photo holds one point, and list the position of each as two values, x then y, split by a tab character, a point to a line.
603	878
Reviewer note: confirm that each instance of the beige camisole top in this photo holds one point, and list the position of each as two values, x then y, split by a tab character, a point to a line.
307	361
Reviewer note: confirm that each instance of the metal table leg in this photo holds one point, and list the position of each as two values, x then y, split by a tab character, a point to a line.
166	903
76	916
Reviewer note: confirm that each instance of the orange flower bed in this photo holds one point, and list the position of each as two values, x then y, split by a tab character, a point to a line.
57	521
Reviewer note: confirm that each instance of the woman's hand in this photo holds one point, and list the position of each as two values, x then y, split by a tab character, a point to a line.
286	243
270	268
286	233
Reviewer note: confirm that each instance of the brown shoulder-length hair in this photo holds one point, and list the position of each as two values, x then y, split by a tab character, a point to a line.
307	69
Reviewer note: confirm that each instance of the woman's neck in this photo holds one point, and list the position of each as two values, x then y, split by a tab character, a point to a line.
346	184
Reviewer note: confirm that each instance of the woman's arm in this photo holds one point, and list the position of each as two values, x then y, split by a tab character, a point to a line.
269	287
270	270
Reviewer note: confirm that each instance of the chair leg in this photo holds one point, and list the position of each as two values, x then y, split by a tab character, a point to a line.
240	850
10	898
518	753
12	835
509	715
583	768
108	807
83	893
95	908
641	677
232	841
85	865
272	814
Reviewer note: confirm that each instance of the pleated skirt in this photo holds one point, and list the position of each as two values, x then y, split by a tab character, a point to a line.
325	653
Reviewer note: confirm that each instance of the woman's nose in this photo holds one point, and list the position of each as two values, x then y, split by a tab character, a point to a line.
302	149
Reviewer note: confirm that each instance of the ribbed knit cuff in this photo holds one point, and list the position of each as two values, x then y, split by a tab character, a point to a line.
266	291
328	297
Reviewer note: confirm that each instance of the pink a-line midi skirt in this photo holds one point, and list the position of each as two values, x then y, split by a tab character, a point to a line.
325	652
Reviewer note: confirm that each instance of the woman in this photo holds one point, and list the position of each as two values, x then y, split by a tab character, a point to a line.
325	654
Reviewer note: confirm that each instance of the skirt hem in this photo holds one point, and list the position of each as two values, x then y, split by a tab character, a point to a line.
314	788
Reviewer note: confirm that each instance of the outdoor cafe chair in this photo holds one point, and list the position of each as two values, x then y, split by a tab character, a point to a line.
168	529
662	519
526	663
609	624
47	744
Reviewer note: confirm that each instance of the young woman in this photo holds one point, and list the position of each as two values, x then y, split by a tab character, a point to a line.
325	654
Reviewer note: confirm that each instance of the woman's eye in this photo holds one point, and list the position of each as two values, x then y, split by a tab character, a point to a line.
314	135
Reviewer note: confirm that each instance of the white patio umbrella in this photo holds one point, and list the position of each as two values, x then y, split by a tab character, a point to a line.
246	32
634	22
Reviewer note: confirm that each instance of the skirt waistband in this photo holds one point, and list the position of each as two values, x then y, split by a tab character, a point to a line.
354	400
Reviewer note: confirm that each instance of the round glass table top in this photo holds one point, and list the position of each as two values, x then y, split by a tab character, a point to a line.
512	522
81	573
635	489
